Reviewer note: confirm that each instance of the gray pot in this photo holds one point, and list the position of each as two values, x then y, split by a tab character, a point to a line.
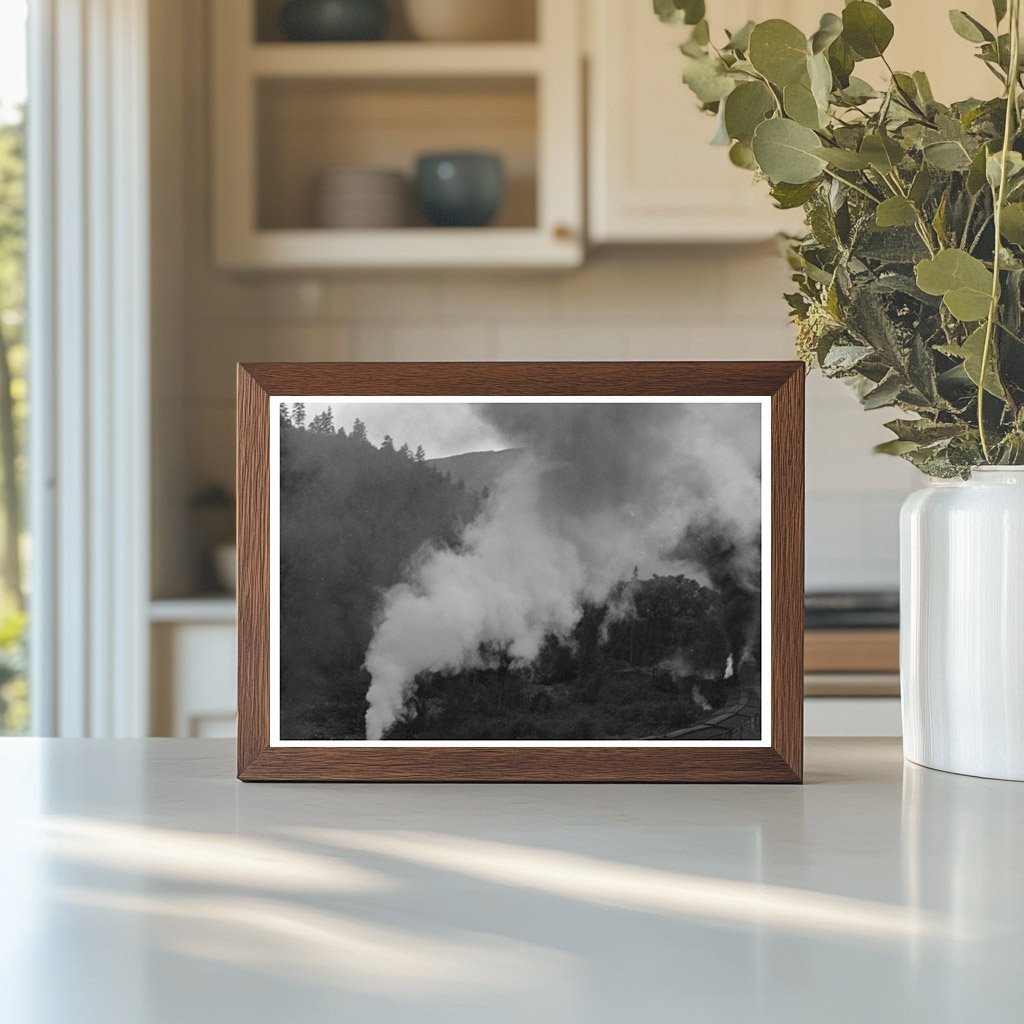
334	20
460	189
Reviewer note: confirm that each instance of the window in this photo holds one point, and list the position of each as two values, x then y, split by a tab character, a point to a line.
14	549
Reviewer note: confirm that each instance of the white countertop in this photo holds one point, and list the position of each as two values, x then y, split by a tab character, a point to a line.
143	885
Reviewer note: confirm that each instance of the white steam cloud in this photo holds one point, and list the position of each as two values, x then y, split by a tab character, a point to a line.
601	489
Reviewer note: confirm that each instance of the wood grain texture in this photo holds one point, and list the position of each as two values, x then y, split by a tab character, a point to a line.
782	762
252	485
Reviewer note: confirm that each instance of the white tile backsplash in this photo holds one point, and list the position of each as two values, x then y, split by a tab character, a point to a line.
647	302
717	302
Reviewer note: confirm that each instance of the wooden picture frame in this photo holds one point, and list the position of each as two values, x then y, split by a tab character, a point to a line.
779	756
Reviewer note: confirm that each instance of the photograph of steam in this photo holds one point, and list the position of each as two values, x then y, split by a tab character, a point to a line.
553	571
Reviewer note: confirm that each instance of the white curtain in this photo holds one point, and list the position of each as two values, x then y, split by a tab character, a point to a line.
88	317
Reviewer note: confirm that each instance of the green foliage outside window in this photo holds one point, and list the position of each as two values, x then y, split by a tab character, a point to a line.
13	410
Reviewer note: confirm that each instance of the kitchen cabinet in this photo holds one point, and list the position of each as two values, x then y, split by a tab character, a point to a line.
192	645
286	113
653	175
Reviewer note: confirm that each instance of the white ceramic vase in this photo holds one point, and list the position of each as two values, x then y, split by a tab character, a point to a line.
962	624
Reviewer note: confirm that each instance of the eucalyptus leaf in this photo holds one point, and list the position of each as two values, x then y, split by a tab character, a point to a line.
721	136
895	447
921	185
972	353
969	28
788	196
947	156
786	152
858	91
963	281
708	80
819	74
976	178
844	159
866	30
906	86
800	105
829	30
883	153
884	395
739	41
939	220
994	169
675	12
779	51
895	212
841	60
745	108
924	87
923	431
1012	224
741	155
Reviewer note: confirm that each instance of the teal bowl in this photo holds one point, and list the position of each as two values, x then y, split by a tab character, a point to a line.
334	21
460	190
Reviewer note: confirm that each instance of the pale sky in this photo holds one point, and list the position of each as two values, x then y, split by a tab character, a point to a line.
12	55
444	429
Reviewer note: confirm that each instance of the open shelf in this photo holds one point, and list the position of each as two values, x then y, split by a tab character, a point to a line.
393	59
405	248
520	17
286	114
308	127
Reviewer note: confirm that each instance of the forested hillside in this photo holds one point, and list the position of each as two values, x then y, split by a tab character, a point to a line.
352	515
478	470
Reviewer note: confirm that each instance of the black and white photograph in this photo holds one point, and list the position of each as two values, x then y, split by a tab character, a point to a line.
519	571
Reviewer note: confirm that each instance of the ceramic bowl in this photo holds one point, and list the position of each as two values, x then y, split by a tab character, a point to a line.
469	20
334	20
460	189
360	197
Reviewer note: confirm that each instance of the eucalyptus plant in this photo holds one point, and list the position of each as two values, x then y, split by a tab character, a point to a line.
910	278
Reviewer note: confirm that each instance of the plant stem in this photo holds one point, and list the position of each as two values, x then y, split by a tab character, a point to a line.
923	228
993	309
856	188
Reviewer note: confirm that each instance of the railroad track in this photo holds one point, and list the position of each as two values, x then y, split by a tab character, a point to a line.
725	719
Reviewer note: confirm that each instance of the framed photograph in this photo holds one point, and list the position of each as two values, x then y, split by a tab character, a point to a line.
519	572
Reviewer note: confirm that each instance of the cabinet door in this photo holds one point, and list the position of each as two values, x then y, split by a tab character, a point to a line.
653	175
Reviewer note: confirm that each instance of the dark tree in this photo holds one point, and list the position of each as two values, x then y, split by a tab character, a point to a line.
352	516
323	423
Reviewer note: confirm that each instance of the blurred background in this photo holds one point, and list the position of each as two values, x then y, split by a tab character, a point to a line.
214	181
